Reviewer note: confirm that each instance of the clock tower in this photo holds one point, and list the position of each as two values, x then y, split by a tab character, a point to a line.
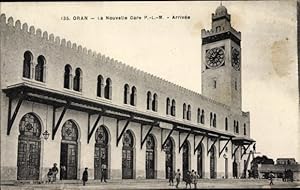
221	60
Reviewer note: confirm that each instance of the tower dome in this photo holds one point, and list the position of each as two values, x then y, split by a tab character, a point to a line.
221	10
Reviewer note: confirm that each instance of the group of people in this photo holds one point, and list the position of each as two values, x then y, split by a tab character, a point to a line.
191	177
51	175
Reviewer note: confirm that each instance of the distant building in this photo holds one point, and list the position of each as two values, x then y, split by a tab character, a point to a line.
282	165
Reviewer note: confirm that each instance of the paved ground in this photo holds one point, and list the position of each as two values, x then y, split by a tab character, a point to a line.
154	184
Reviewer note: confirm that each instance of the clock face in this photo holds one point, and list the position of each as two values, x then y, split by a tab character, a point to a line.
215	57
235	59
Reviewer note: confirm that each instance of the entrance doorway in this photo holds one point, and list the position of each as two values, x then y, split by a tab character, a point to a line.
234	168
200	161
213	163
185	159
29	148
150	157
101	153
69	151
169	147
127	155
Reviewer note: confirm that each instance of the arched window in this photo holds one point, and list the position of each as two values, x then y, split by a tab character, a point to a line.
107	89
40	69
173	108
67	77
27	64
215	120
168	107
184	111
149	99
77	80
245	132
100	86
154	102
126	93
189	113
133	96
226	124
202	117
237	127
211	119
198	115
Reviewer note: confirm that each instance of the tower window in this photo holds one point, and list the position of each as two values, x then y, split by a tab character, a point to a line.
184	111
133	96
198	115
202	117
77	80
173	108
154	102
108	89
188	116
168	107
215	83
215	120
149	99
99	86
67	77
126	93
40	69
245	131
226	124
27	64
235	85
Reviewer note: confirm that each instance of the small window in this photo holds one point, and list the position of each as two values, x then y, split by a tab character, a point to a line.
215	83
202	117
108	89
184	111
210	119
173	108
154	102
133	96
67	77
27	64
40	69
149	99
126	93
188	116
198	115
235	85
168	107
215	121
245	131
226	124
77	80
100	86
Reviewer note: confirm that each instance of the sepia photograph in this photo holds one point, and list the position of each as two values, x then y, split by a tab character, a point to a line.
149	95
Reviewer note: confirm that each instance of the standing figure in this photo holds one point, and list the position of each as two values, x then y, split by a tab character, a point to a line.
103	173
177	177
188	179
85	176
271	176
171	176
195	179
50	176
54	170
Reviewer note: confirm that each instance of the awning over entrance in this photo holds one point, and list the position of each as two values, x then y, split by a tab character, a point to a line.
69	100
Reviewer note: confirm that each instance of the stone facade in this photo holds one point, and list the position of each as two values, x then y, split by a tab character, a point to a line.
17	38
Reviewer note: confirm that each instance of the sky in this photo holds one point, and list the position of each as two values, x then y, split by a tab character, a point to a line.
171	49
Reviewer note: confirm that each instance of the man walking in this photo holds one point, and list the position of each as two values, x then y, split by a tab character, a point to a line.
177	177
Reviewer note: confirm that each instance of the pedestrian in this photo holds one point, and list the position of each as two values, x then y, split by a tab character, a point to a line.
85	176
103	173
171	177
271	176
195	179
54	170
50	176
188	179
177	177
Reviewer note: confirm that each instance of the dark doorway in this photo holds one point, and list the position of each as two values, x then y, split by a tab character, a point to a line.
185	159
127	156
69	151
234	168
150	157
200	161
169	157
101	153
213	163
29	148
